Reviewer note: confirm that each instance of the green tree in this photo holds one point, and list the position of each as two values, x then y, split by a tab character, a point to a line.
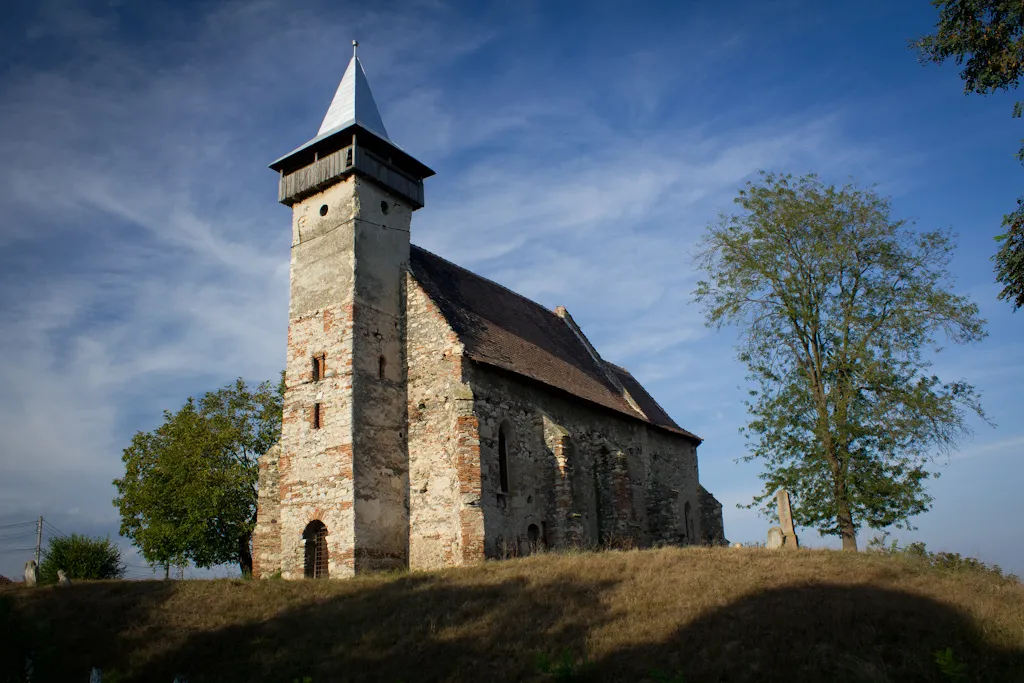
986	37
189	488
81	557
835	302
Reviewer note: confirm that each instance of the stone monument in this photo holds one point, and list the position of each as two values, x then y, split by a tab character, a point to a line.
31	573
789	539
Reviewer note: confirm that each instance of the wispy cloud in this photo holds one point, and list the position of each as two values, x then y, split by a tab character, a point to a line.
142	257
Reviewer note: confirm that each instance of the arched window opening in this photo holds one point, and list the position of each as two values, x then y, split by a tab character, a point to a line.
315	536
503	459
533	535
319	366
687	522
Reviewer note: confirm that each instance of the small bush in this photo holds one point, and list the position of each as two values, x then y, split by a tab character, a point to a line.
81	557
952	669
566	667
953	562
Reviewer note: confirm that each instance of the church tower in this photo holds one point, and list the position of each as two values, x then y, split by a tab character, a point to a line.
342	499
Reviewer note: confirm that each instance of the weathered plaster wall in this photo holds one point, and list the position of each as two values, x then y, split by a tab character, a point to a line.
379	408
582	475
439	403
315	467
348	266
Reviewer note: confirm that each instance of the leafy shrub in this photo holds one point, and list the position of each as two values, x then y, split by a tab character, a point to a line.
565	668
952	668
81	557
953	562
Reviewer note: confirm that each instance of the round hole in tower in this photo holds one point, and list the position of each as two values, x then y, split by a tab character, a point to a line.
323	210
384	208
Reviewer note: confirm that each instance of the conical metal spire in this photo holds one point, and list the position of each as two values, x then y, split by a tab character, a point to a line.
353	103
351	139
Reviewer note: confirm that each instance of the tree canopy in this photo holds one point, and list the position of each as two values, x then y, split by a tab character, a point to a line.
81	557
986	37
836	303
189	488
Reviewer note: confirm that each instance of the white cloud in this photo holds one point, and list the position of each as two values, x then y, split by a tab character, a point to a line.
142	256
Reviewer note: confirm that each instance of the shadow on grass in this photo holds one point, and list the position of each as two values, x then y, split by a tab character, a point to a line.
70	630
426	628
412	629
822	632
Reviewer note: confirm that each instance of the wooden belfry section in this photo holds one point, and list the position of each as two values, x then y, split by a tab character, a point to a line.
351	139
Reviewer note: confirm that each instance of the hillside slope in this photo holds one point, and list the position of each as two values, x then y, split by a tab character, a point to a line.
695	614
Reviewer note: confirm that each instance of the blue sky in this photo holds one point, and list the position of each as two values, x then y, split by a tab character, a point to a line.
580	150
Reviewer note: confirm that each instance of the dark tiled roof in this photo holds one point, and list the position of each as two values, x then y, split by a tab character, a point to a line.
503	329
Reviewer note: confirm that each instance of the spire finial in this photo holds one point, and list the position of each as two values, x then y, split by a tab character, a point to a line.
355	44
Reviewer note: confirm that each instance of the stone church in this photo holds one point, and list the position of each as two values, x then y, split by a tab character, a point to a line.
432	417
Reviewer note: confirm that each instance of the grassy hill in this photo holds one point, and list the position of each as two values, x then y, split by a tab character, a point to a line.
694	614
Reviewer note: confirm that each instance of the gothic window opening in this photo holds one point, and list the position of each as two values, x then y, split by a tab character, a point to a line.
316	416
319	366
317	555
533	536
687	522
503	459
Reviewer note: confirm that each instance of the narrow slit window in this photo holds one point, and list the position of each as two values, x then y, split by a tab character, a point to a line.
382	364
316	415
319	366
503	459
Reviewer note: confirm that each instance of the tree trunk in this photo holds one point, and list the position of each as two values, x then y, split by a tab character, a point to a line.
847	531
244	556
844	518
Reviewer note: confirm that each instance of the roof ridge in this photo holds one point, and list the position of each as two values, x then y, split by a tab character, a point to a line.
649	394
493	282
563	313
501	328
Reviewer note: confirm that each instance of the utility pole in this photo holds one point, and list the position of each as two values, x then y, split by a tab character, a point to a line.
39	538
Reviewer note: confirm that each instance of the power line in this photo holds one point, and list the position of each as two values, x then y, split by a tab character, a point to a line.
54	529
11	526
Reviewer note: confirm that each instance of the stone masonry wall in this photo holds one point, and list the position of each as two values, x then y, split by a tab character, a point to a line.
379	368
315	467
439	405
713	527
579	474
349	258
266	538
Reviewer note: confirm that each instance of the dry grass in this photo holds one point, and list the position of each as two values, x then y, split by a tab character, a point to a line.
698	614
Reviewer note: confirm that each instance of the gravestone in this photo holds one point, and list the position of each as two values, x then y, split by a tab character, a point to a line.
789	539
31	573
62	578
774	538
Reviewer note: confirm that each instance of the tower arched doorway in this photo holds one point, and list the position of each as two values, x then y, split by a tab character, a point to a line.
317	554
